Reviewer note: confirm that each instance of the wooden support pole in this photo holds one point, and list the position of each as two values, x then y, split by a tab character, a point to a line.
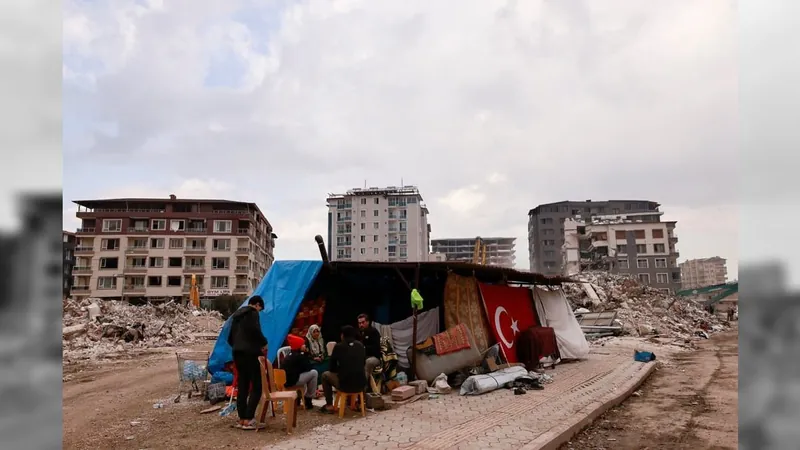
414	328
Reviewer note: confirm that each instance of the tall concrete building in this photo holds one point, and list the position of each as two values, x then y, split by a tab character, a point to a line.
702	272
500	251
546	230
378	224
150	248
69	261
638	244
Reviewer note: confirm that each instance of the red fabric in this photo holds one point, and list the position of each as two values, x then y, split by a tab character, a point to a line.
509	311
534	344
295	342
548	345
452	340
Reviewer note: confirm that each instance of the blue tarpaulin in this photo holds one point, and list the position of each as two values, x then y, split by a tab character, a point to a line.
283	290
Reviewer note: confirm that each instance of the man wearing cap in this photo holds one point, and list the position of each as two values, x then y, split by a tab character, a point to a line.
299	371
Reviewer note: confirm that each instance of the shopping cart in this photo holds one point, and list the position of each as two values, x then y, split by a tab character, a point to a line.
192	373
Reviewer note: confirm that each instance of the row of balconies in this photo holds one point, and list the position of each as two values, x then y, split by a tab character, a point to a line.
80	270
188	230
135	288
85	250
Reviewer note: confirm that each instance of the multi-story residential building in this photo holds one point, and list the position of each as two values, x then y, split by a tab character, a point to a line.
69	260
637	243
150	248
546	231
8	249
500	251
378	224
702	272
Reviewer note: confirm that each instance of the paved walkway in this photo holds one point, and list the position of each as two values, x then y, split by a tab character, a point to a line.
498	420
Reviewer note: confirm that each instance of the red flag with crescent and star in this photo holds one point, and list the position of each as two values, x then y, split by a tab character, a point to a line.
510	311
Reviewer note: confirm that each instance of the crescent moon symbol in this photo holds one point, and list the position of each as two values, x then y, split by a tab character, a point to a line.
497	313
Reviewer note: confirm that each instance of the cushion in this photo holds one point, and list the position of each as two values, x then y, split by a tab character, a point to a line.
430	366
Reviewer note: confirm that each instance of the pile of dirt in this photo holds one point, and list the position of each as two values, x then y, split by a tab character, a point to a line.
641	310
104	329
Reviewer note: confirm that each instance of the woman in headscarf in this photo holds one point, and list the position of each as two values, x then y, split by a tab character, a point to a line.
316	349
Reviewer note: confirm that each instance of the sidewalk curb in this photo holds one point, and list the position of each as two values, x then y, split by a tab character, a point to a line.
562	433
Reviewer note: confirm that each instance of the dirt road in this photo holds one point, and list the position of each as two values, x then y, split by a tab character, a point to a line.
111	406
689	404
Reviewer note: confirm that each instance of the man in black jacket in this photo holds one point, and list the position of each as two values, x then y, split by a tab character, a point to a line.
248	344
299	372
371	338
346	367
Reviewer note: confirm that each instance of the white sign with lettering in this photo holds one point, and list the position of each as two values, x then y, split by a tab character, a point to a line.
217	292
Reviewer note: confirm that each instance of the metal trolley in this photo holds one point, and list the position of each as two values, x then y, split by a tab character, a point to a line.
192	373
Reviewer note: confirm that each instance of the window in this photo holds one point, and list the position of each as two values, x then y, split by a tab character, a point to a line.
375	238
195	244
219	282
662	278
177	225
109	244
363	213
375	213
175	261
549	253
403	252
622	249
109	263
363	201
549	232
547	220
658	233
661	263
158	225
639	234
614	210
403	226
157	243
623	263
377	201
222	226
221	263
112	225
174	281
620	234
195	261
156	261
363	238
363	251
641	249
106	282
641	263
221	244
176	243
375	251
548	242
155	281
644	278
375	225
138	262
363	226
659	248
549	264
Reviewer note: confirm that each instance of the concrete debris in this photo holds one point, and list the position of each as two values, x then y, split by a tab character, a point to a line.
96	329
641	310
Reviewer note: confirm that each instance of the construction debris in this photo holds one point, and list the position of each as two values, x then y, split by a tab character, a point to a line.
640	309
102	329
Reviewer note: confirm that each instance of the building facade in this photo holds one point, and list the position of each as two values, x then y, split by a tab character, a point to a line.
639	244
378	224
151	248
500	251
703	272
546	230
69	261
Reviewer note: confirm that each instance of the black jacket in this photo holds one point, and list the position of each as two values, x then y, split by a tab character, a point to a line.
371	338
246	336
294	364
347	361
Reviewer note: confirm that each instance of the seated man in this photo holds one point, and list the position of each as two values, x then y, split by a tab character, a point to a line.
346	371
300	373
371	338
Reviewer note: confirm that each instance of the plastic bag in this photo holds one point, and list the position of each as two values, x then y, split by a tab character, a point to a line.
439	385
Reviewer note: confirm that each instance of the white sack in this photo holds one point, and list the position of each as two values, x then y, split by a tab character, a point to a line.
481	384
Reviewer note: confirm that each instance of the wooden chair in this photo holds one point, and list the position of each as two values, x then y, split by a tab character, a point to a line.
340	401
280	384
270	395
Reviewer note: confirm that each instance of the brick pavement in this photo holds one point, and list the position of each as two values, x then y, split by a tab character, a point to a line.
497	420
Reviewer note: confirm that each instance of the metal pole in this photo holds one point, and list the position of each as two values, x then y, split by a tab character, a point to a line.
414	328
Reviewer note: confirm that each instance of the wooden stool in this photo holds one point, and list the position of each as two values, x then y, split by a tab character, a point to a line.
288	398
340	401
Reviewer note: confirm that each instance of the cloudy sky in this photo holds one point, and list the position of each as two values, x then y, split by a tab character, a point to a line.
491	108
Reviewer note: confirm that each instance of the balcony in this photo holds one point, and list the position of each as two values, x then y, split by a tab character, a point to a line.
77	270
84	250
344	243
194	250
140	250
85	231
221	249
135	269
139	230
673	240
242	269
344	206
344	219
78	290
194	269
243	250
134	288
199	230
242	288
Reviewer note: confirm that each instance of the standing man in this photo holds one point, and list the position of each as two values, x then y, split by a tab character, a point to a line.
346	371
371	338
248	344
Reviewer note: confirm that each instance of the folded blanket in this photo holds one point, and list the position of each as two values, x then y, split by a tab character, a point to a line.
452	340
426	347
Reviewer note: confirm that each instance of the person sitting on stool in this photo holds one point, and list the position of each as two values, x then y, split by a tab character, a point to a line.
346	371
299	372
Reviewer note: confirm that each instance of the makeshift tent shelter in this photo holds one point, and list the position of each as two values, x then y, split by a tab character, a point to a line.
295	290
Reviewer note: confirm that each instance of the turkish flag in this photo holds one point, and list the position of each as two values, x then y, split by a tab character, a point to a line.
510	311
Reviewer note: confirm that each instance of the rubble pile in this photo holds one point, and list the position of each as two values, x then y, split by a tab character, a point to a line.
101	329
641	309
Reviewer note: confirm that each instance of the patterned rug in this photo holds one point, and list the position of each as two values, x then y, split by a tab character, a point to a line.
451	340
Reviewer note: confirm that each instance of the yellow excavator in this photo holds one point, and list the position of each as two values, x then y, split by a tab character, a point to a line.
479	252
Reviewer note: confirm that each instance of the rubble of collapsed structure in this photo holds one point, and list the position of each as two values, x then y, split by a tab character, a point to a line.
96	329
640	310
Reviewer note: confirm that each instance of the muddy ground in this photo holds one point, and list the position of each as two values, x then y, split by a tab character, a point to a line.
691	404
111	406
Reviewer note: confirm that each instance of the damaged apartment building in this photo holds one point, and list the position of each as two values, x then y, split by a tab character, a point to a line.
639	244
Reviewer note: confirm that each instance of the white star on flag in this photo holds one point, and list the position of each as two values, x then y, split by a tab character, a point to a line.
514	327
